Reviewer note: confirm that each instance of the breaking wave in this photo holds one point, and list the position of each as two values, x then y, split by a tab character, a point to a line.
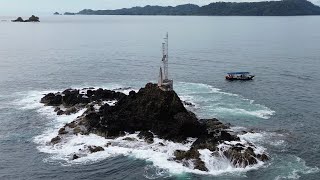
160	153
207	100
210	101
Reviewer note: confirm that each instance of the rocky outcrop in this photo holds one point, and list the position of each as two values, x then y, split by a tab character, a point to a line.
33	18
147	136
94	149
150	109
192	154
153	113
56	140
73	97
19	19
69	13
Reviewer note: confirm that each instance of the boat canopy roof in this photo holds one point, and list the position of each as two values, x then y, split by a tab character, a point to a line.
233	73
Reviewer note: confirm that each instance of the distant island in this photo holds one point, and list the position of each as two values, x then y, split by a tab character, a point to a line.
267	8
33	18
69	13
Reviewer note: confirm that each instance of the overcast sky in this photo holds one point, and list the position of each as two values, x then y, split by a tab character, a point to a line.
16	7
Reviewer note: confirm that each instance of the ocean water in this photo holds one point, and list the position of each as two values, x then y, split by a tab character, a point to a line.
281	104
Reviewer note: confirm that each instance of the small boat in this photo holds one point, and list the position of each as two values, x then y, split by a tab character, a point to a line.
244	76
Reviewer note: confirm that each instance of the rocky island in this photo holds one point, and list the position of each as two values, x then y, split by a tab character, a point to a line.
263	8
153	113
33	18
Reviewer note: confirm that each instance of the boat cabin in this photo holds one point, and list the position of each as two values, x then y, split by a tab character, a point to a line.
239	76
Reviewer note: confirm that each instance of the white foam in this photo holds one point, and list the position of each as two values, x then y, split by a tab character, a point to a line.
220	164
160	156
270	138
298	166
213	101
264	114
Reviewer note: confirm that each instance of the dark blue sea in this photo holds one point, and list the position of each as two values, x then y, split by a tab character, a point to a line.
281	105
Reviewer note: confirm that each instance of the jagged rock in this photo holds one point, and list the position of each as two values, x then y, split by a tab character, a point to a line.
33	18
188	104
241	157
71	110
75	157
225	136
147	136
94	149
205	143
56	13
56	140
60	112
152	112
62	131
199	164
56	109
192	154
72	98
52	99
151	109
130	139
71	125
77	130
212	125
263	157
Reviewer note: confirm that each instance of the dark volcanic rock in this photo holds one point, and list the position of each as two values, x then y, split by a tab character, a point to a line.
188	104
152	109
193	154
153	112
130	139
52	99
56	140
73	97
33	18
94	149
147	136
75	157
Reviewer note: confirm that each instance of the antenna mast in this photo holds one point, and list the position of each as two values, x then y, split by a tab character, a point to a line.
165	49
164	83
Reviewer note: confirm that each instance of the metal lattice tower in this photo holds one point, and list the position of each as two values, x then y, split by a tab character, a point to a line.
164	83
165	58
